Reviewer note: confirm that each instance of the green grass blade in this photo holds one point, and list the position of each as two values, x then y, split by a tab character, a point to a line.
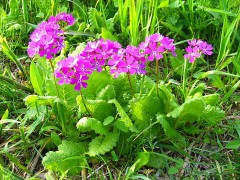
25	11
154	17
230	92
6	172
16	162
10	54
175	29
16	84
54	5
236	61
205	74
123	16
225	46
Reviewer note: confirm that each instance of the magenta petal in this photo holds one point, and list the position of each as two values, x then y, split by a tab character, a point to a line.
151	58
77	87
159	56
191	59
132	71
84	84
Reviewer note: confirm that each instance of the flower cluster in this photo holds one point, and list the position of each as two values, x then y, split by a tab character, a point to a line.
74	70
101	53
47	39
132	60
196	48
129	60
155	45
68	18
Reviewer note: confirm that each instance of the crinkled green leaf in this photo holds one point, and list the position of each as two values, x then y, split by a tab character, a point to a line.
103	144
143	157
177	63
124	116
66	92
55	138
96	20
33	100
106	93
121	126
193	130
141	160
190	111
123	90
100	109
212	99
97	82
145	109
213	115
86	124
167	98
175	137
197	91
108	35
173	170
69	158
156	161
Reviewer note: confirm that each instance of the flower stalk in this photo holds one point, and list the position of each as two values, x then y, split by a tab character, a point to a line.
54	78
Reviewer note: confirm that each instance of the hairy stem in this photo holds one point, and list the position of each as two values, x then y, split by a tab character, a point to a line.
130	83
142	81
55	82
157	76
184	77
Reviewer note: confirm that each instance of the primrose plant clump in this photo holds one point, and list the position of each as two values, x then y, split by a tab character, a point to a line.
122	97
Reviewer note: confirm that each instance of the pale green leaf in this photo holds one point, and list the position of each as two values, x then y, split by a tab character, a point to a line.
106	93
175	137
108	120
5	114
213	115
211	99
55	138
86	124
69	158
124	116
103	144
97	82
36	79
108	35
173	170
233	144
189	111
99	109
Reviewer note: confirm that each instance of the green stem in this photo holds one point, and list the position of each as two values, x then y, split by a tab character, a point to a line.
184	77
165	64
55	82
157	76
190	77
142	81
81	94
130	83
